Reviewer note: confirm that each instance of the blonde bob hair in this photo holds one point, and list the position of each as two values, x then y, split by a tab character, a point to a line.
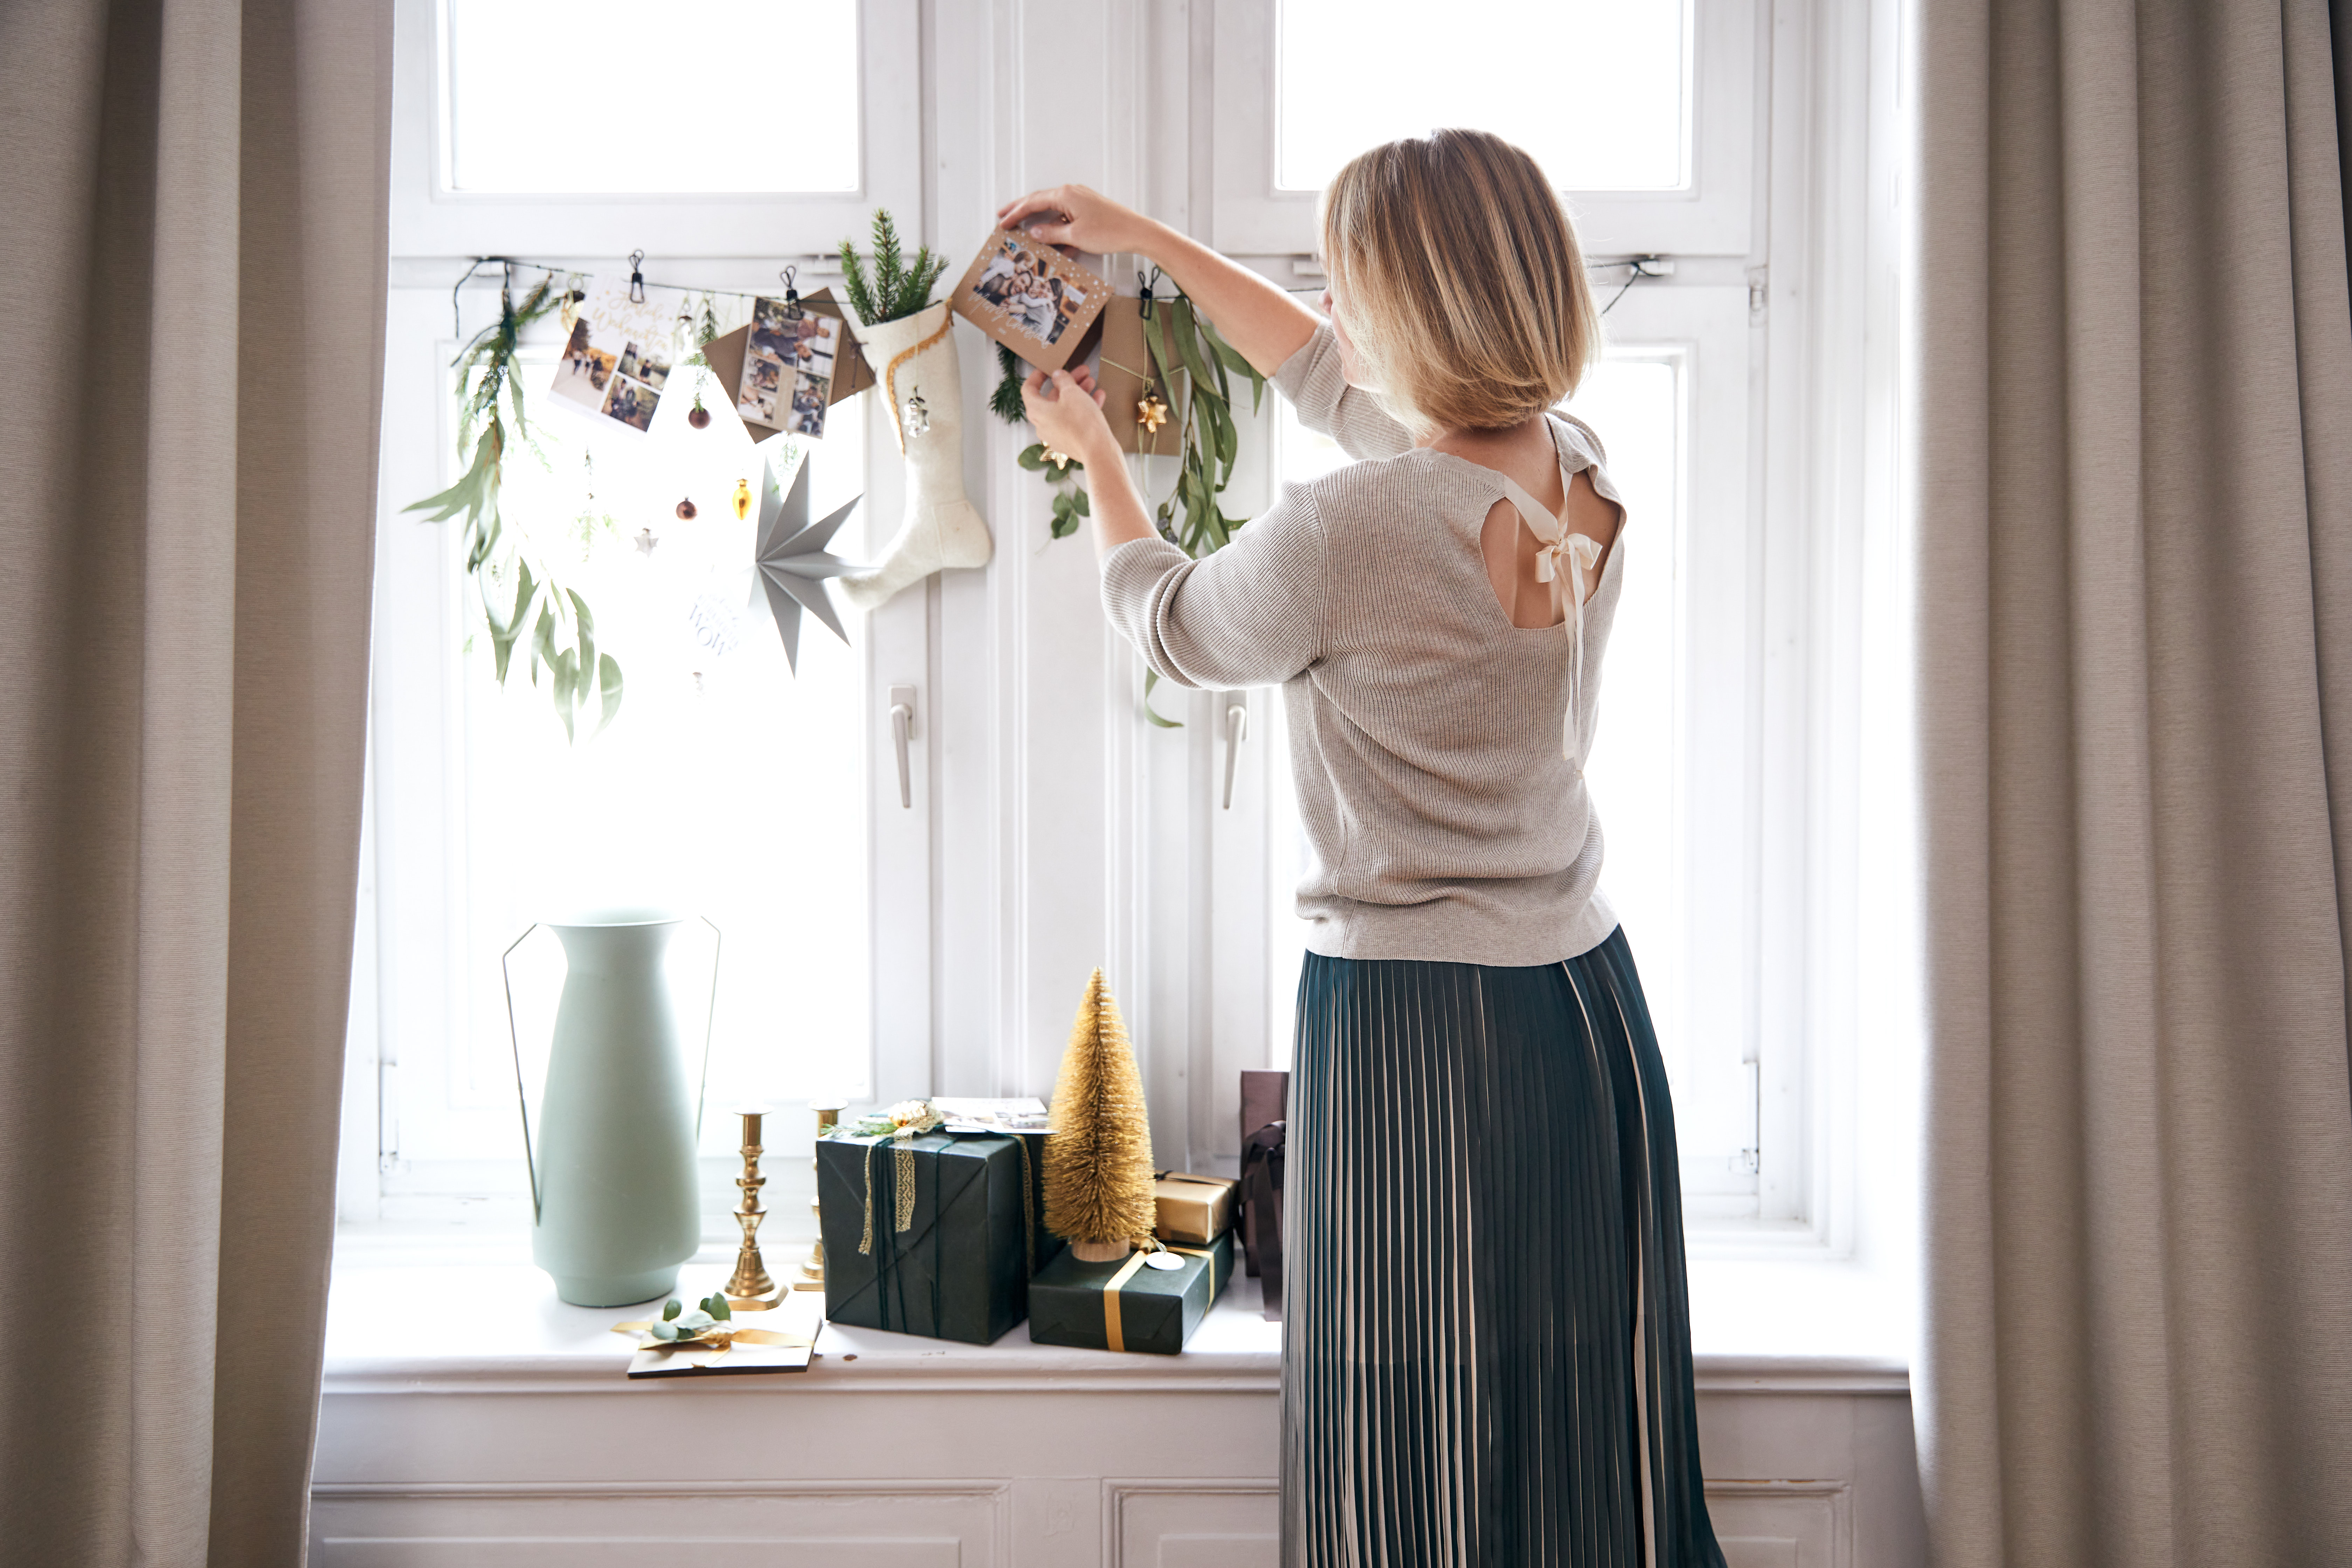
1461	280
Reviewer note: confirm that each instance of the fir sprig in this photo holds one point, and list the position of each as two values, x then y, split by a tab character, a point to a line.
1007	401
894	287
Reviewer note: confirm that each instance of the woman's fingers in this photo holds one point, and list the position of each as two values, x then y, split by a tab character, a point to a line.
1049	202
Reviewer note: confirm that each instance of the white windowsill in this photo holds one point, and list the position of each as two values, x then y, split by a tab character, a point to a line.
424	1312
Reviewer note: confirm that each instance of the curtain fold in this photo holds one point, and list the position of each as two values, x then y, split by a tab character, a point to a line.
2131	428
196	196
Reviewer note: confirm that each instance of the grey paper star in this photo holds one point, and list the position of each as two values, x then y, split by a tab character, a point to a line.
792	562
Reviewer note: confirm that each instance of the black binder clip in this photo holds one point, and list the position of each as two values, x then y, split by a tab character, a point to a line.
636	278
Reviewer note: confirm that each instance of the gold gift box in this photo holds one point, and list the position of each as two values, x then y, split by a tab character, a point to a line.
1195	1209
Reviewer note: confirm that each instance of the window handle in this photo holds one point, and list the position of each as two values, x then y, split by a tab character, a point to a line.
902	731
1236	732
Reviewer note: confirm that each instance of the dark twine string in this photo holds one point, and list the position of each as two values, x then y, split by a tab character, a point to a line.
1639	267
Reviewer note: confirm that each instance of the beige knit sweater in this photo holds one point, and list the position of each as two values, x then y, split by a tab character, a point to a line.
1425	728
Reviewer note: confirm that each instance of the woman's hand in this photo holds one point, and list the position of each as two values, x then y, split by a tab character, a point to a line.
1067	410
1081	219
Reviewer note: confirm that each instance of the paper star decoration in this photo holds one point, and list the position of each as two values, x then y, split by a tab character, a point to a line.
793	561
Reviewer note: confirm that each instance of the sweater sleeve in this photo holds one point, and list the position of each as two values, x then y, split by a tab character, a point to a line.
1249	615
1326	405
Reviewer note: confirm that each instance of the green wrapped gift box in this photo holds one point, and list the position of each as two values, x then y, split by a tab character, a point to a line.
1126	1305
960	1267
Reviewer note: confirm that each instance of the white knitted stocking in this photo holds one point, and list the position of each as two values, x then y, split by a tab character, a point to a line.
922	394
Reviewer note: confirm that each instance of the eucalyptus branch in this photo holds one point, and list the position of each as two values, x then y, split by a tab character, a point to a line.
562	631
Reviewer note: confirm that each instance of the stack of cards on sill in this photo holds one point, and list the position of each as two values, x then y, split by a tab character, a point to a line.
798	1315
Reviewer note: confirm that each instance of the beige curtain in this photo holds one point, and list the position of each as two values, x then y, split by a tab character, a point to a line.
2133	438
191	245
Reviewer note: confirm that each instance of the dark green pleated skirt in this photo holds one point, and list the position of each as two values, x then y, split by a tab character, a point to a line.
1488	1354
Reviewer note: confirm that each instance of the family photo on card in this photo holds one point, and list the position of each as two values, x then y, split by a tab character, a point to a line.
616	361
1031	298
788	364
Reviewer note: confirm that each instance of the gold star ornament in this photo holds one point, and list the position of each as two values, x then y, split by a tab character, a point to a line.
1151	414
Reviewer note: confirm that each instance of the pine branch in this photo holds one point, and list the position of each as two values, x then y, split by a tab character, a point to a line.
853	280
1006	401
890	264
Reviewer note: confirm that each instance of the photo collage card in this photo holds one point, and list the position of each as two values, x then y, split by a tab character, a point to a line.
1032	298
788	364
616	363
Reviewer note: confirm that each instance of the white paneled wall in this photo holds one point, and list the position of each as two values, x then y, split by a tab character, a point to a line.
1803	1473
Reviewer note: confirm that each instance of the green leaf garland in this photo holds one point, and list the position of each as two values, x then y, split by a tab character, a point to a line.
563	635
1192	516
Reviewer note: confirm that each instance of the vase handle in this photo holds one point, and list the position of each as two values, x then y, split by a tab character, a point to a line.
523	1096
710	1018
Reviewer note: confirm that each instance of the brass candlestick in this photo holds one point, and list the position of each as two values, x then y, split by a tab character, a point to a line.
750	1290
812	1277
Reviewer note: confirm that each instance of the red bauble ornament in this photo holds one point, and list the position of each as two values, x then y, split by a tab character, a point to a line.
686	510
697	416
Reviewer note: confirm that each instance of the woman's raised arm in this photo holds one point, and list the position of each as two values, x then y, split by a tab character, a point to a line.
1264	324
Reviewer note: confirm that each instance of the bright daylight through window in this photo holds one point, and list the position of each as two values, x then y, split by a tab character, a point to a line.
1354	74
579	111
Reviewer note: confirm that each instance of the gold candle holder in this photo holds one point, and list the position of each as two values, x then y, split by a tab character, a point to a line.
828	1116
750	1290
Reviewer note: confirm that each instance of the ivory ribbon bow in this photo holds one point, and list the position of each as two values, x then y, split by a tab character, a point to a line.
1572	555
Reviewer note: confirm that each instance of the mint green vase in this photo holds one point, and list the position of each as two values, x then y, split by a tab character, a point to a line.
613	1173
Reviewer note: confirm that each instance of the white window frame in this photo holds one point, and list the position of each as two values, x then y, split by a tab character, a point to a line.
1054	831
412	873
1713	216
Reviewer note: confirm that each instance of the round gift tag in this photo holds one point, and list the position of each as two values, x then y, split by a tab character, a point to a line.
1163	1260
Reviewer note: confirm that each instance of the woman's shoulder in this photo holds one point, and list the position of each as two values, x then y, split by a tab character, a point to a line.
1375	484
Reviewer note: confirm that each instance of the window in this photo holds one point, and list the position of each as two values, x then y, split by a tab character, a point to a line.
593	129
1657	153
728	785
1668	773
605	83
1050	829
1342	84
1731	399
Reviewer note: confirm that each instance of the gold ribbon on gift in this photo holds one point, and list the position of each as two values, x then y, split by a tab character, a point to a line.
1112	1338
903	1198
715	1340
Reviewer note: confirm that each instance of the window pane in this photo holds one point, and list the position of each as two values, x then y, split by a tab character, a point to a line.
727	786
1355	73
610	97
1634	402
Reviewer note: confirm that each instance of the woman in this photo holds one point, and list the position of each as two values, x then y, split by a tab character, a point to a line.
1487	1358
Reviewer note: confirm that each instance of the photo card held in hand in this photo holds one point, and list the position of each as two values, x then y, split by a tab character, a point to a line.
1032	298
